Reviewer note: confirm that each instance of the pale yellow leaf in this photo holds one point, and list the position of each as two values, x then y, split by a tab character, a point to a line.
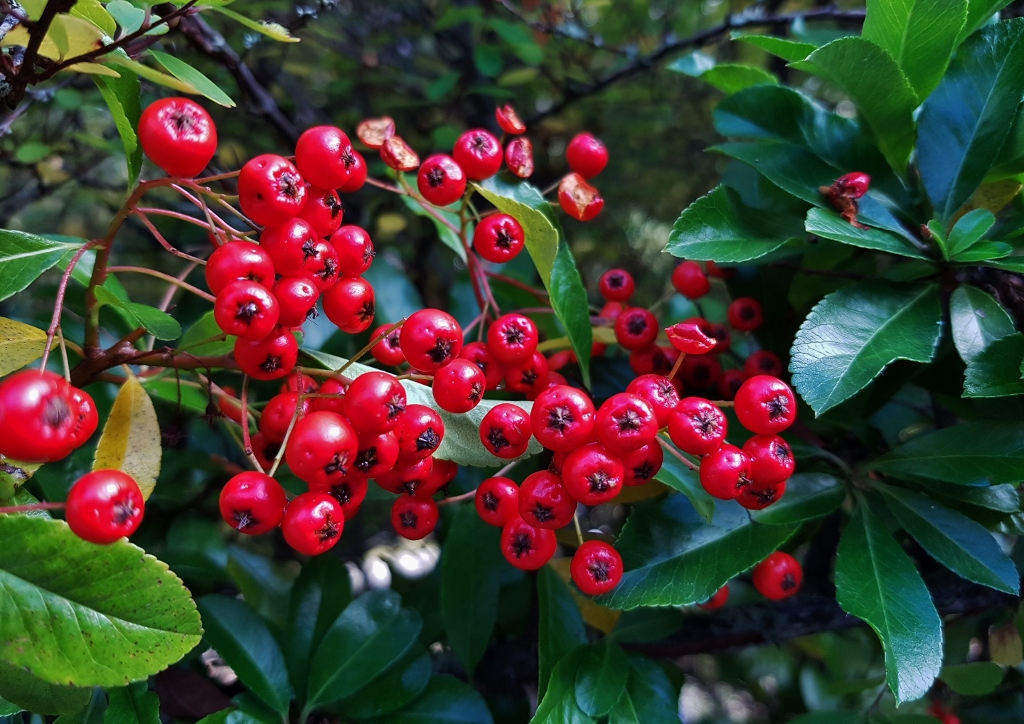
131	437
92	69
271	30
1004	645
604	335
993	196
596	615
150	74
74	36
19	345
19	36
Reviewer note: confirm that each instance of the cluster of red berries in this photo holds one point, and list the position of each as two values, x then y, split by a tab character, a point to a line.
777	577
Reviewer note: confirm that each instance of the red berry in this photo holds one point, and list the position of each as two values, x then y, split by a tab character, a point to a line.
440	180
765	405
323	211
498	238
509	120
414	518
852	185
252	503
377	454
355	250
430	339
335	391
616	285
270	189
592	475
350	494
238	260
270	358
478	354
563	418
443	472
478	153
505	431
388	351
321	449
178	135
290	243
596	568
760	497
641	465
701	371
578	198
690	281
298	382
280	411
778	576
725	472
697	426
246	309
519	157
625	422
526	547
323	155
653	360
420	432
350	305
407	476
718	272
771	459
397	154
497	501
296	300
659	393
374	402
529	376
512	339
723	339
42	417
586	155
357	172
265	450
229	405
544	502
375	131
611	311
459	386
636	329
730	383
745	314
689	338
104	506
717	600
763	362
313	523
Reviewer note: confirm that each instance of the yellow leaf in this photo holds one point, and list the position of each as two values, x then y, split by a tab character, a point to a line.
271	30
1005	646
19	345
596	615
92	69
19	36
150	74
131	437
992	196
604	335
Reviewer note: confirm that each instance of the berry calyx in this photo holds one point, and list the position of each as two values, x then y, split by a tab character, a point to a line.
625	422
592	475
104	506
355	250
322	449
420	432
529	377
270	190
441	180
636	329
178	135
350	304
296	300
499	238
596	568
563	418
313	523
759	497
745	314
616	285
505	431
246	309
430	339
659	393
778	576
323	211
414	518
377	455
765	405
323	155
512	339
586	155
252	503
544	502
374	402
237	261
459	386
525	546
641	465
270	358
42	417
478	153
771	459
497	501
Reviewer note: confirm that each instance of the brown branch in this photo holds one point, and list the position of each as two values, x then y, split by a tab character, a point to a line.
89	370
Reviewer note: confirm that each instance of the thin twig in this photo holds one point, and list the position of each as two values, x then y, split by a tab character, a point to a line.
166	277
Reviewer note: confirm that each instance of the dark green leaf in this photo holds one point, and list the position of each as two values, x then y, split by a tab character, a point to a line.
784	48
673	557
974	453
726	77
242	638
983	251
123	99
444	232
808	496
996	371
964	123
876	85
558	704
675	474
26	691
642	625
205	328
969	229
1002	498
134	704
160	324
877	582
601	677
979	12
561	625
23	257
117	612
394	689
977	679
470	583
829	717
320	594
718	227
953	539
446	701
829	225
852	334
569	300
185	72
371	635
650	698
976	321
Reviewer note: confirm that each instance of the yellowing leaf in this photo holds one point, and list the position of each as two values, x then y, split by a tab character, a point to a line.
271	30
604	335
94	12
19	345
992	196
596	615
150	74
74	36
92	69
131	437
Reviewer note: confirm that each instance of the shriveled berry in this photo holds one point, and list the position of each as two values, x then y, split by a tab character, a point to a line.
689	338
375	131
852	185
397	154
519	157
509	120
578	198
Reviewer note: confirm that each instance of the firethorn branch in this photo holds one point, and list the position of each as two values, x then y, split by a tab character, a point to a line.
676	454
166	277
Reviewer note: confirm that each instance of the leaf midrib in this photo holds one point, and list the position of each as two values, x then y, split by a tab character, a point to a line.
38	252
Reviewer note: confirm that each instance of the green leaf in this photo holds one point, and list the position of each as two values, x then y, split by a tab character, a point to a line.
726	77
185	72
321	592
969	229
274	31
446	701
461	442
808	496
471	567
976	320
852	334
32	152
789	50
983	251
569	300
1001	498
561	626
129	17
558	704
371	635
448	237
391	691
877	582
205	328
121	62
979	12
919	34
601	677
26	691
95	13
829	225
649	696
973	453
673	557
160	324
396	296
91	713
829	717
996	371
963	124
876	85
675	474
134	704
118	614
954	540
24	257
718	227
976	679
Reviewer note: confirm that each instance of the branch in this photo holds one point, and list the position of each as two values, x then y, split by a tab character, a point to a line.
12	16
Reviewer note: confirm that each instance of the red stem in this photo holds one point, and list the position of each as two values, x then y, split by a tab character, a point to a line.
58	306
32	507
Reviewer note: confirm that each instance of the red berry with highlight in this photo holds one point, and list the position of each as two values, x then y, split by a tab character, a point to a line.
717	600
563	418
498	238
441	180
596	568
252	503
290	244
388	351
459	386
270	189
178	135
690	281
350	494
329	396
313	523
586	155
765	405
528	377
420	432
246	309
641	465
778	576
42	417
323	155
525	546
280	411
497	501
725	472
636	329
350	305
323	211
592	475
321	450
852	185
771	459
355	250
616	285
270	358
377	455
374	402
237	261
478	153
759	497
296	300
697	426
104	506
478	354
659	393
544	502
414	518
512	339
357	172
505	431
625	422
430	339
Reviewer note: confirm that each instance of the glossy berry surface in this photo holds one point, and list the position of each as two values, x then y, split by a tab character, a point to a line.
478	354
252	503
509	120
374	402
296	300
329	396
525	546
42	417
616	285
586	155
765	405
178	135
544	502
596	567
270	189
659	393
104	506
725	472
759	497
388	351
563	418
689	338
440	180
690	281
592	475
636	329
420	432
512	338
377	455
321	449
350	304
478	153
414	518
579	199
763	362
701	371
323	155
497	501
498	238
430	339
237	261
458	386
519	157
246	309
852	185
289	244
357	173
505	431
771	459
528	377
313	523
270	358
778	576
323	211
717	600
641	465
745	314
625	422
278	414
355	250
